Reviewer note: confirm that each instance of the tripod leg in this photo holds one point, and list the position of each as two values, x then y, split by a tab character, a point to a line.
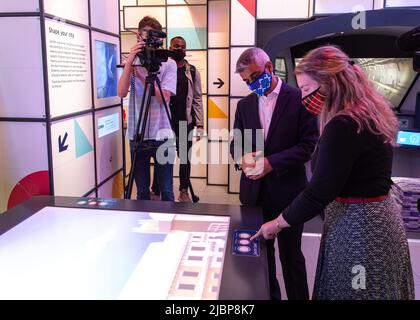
138	138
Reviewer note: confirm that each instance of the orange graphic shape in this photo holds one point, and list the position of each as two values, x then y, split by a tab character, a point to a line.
215	112
117	187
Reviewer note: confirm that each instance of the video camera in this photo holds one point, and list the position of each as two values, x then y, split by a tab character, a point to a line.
152	56
410	42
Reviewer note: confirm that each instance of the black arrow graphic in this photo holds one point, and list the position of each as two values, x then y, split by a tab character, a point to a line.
220	83
62	143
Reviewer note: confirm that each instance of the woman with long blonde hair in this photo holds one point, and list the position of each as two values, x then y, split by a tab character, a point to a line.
364	251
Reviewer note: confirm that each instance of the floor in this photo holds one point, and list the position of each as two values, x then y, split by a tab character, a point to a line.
310	241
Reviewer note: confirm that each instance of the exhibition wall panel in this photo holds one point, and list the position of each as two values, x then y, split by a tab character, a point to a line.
152	2
128	40
132	16
218	23
218	118
48	92
73	156
218	71
21	68
124	3
190	22
402	3
69	73
113	188
23	162
332	6
218	158
74	10
242	22
19	6
104	15
283	9
109	148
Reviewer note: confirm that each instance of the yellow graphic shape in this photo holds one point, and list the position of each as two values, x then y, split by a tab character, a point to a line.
215	112
117	187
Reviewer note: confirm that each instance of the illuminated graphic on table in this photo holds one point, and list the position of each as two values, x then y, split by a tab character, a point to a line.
63	253
106	69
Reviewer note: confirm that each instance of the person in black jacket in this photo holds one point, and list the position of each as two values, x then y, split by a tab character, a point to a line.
272	159
364	250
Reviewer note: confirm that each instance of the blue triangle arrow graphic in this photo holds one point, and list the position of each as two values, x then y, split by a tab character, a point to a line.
83	145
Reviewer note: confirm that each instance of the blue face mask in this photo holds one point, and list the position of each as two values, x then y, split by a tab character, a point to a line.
262	84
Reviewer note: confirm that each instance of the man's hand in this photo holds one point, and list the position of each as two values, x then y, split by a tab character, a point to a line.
136	49
200	133
248	161
254	166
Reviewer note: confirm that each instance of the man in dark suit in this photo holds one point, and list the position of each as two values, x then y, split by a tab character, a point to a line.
282	138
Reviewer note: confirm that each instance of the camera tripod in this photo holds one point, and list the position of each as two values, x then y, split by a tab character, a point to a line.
148	93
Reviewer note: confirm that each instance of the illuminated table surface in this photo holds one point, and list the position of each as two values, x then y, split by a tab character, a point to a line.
81	248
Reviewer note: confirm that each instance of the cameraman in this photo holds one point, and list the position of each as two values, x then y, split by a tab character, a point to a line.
158	129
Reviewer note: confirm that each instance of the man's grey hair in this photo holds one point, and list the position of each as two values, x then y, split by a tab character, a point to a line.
257	55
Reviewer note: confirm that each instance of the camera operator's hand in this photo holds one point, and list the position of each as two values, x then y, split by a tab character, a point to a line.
200	133
138	47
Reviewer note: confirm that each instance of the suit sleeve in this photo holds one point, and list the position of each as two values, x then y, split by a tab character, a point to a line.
338	149
300	153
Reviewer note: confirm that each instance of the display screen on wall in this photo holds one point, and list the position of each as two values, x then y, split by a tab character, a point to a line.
392	77
105	58
106	69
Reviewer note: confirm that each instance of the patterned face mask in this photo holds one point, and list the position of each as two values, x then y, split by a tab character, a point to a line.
262	84
314	102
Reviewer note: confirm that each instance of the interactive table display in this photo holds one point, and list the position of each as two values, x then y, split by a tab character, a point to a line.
84	248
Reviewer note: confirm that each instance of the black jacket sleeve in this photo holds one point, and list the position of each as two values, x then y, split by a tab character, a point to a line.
338	149
236	144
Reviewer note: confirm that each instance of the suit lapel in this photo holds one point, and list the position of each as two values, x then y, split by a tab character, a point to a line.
282	101
255	116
